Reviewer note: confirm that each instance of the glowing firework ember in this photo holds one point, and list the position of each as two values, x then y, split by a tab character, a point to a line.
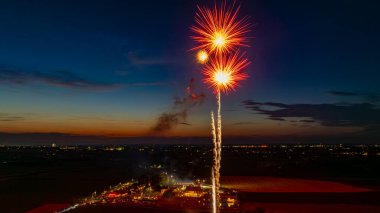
202	56
219	29
223	73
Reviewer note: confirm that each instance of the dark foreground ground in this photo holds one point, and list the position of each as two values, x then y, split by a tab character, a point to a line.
256	208
311	197
34	176
277	203
133	209
355	198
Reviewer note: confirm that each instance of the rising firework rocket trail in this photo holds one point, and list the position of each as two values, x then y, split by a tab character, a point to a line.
214	200
219	145
218	32
214	173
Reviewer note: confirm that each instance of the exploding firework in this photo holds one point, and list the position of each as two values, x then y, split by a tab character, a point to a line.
223	73
219	29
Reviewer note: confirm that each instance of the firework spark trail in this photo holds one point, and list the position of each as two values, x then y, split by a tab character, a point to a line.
214	170
214	200
217	151
214	140
219	144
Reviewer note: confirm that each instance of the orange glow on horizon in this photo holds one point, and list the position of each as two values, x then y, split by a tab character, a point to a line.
264	128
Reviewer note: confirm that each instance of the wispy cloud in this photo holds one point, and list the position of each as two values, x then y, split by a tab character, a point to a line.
144	84
243	123
135	59
9	117
185	123
63	79
349	114
371	97
341	93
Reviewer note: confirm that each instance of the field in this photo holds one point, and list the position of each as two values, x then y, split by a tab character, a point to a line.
273	184
285	195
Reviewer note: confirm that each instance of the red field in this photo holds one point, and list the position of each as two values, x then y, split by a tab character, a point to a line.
316	208
284	195
49	208
272	184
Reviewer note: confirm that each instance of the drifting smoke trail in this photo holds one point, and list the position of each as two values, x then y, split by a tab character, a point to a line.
180	110
215	162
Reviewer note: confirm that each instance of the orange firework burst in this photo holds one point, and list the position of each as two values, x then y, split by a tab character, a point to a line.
224	72
219	29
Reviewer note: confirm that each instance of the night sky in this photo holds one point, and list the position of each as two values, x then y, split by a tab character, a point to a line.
111	68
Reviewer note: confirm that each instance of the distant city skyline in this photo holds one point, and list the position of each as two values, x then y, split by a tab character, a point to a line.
111	68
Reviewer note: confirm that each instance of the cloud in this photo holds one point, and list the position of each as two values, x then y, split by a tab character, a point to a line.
338	115
243	123
370	97
341	93
59	79
143	84
8	117
307	121
136	60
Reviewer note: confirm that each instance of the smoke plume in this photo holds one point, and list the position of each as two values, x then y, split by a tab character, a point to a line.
179	110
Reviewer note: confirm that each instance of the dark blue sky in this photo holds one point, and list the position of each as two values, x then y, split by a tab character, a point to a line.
112	67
